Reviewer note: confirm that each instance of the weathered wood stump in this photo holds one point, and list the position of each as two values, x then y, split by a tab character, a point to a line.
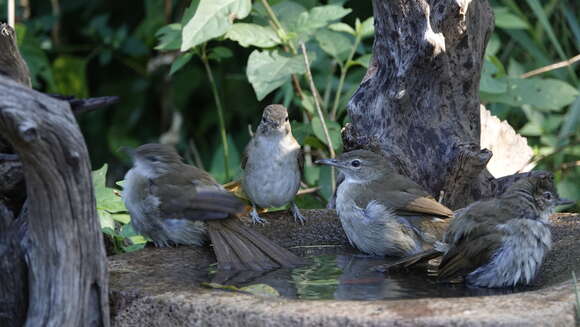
419	101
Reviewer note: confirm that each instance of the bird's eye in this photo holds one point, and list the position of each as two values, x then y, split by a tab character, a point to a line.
547	195
355	163
286	118
152	158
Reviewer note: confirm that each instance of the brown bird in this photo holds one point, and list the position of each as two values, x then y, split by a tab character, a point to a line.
382	212
499	242
174	203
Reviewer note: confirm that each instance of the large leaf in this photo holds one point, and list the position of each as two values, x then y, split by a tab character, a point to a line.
367	28
572	120
268	70
110	206
308	22
489	83
213	18
253	35
336	44
333	131
544	94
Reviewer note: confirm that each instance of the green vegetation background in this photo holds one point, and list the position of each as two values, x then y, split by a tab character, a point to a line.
251	50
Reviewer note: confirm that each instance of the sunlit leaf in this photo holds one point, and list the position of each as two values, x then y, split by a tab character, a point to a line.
489	83
342	27
268	70
213	18
253	35
367	28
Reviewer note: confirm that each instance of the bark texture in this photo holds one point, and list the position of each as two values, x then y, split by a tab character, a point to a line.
419	101
59	232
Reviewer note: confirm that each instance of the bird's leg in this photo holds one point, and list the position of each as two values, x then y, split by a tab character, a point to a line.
255	217
298	217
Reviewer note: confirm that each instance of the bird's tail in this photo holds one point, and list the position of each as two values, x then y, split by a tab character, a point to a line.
408	262
238	247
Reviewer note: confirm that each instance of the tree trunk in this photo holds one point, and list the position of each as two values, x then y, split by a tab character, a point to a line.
419	101
59	232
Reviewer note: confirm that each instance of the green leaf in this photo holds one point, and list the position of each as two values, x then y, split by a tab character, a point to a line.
311	174
106	197
544	94
336	44
219	53
318	17
169	37
180	62
539	12
308	102
367	28
217	168
505	19
488	83
253	35
364	60
106	219
569	189
268	70
342	27
333	131
213	18
493	45
300	131
69	76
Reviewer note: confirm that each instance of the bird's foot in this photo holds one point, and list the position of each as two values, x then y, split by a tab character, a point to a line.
256	219
298	217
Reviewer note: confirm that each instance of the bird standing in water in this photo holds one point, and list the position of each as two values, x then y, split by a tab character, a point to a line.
272	164
174	203
498	242
382	212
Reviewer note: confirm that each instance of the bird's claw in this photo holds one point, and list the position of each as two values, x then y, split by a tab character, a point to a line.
298	217
256	219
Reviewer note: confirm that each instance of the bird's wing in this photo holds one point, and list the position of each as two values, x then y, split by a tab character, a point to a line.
301	161
405	197
469	254
193	194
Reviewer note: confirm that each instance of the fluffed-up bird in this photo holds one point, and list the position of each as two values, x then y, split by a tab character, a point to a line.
171	202
383	212
499	242
272	164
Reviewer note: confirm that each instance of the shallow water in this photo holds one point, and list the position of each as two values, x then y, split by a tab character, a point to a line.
341	274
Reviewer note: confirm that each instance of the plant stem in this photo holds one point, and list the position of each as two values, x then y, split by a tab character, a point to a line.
343	70
218	103
320	115
278	26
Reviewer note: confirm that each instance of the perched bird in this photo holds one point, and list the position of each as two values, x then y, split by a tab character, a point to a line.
272	164
499	242
170	203
382	212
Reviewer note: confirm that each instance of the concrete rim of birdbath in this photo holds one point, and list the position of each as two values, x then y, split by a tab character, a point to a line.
152	287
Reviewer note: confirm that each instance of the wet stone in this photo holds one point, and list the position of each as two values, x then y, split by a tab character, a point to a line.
168	286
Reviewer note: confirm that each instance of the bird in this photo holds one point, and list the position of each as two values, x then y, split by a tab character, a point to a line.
382	212
499	242
173	203
272	164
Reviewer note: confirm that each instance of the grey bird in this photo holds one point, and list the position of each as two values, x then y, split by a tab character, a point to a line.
174	203
272	164
499	242
383	212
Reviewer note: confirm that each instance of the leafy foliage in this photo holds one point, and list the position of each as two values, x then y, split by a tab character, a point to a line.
110	48
113	215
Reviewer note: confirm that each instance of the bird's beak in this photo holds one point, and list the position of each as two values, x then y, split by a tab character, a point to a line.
328	162
128	151
564	202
